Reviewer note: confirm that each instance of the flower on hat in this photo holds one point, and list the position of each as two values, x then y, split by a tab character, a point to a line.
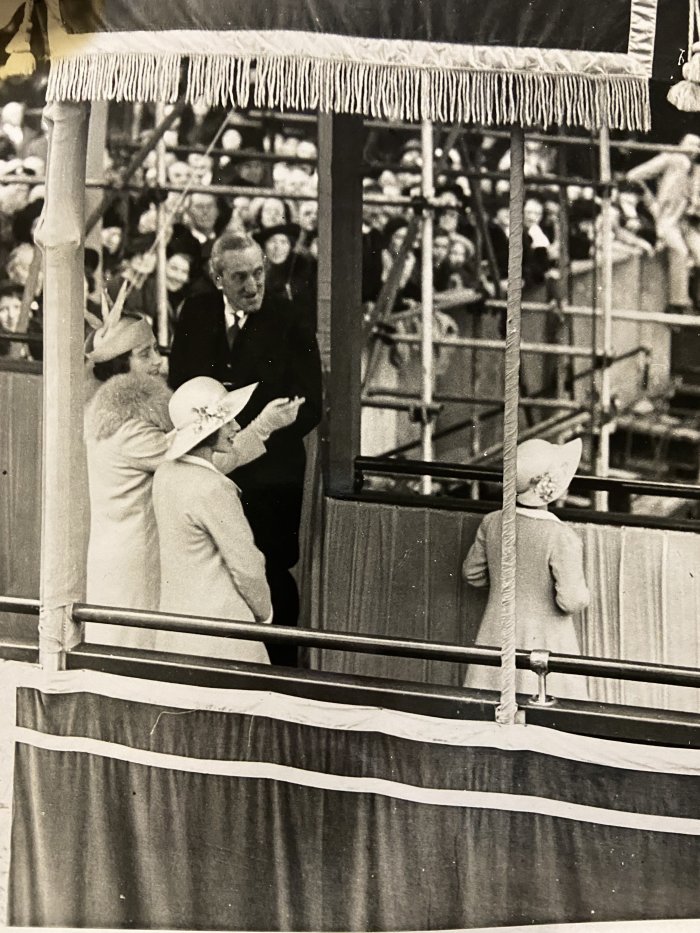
544	486
206	414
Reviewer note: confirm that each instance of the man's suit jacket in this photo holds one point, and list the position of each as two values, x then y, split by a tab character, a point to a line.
276	348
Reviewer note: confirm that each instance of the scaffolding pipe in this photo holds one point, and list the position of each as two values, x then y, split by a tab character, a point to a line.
620	314
487	343
162	239
438	398
604	426
426	349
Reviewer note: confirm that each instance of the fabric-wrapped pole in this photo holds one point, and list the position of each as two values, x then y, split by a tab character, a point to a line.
606	238
427	355
61	234
507	710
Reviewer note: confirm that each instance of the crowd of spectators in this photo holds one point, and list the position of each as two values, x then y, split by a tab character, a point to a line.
273	166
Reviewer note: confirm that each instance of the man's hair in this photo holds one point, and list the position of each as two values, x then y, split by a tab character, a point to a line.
229	243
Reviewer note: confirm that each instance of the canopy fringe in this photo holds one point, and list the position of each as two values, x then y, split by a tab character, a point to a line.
376	90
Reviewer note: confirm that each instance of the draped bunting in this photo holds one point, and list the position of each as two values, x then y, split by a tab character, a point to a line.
464	60
234	809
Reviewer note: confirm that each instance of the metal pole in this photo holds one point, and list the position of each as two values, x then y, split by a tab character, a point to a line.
162	239
603	454
487	343
61	234
426	350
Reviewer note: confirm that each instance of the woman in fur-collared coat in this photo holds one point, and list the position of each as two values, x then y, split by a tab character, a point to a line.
126	429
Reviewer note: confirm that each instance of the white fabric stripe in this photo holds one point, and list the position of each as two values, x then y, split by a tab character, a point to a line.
411	726
326	46
482	800
588	926
643	33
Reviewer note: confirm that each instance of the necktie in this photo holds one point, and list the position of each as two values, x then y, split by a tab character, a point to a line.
232	332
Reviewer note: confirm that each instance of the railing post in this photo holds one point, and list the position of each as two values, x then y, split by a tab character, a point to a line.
61	234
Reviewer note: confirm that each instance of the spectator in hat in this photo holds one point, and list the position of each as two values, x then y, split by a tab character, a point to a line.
209	563
289	273
452	215
550	580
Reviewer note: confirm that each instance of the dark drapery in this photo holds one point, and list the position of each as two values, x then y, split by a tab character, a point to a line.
395	570
568	24
233	810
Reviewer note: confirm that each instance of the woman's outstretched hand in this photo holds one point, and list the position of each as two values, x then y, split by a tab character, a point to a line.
279	413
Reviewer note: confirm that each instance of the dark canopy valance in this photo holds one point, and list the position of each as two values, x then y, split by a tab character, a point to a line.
486	61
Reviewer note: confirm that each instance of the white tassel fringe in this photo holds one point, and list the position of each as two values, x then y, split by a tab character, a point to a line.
381	91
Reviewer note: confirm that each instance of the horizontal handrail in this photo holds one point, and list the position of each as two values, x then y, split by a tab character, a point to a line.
458	472
392	646
29	607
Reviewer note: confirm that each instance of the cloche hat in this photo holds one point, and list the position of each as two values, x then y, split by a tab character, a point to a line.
116	333
545	470
199	408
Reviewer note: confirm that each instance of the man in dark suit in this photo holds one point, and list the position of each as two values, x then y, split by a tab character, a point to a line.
238	335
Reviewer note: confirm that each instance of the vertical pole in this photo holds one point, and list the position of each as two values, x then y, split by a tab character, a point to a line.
603	457
507	710
97	141
61	234
161	239
427	367
340	143
565	327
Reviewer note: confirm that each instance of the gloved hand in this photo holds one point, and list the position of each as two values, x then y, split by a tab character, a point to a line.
279	413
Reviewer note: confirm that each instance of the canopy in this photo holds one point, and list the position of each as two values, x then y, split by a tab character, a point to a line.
484	61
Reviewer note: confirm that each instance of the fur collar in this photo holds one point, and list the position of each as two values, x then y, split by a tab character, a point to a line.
128	397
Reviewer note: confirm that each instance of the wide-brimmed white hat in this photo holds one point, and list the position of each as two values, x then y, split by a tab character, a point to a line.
116	333
199	408
545	470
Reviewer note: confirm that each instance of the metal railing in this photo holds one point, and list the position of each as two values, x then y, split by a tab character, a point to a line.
459	473
390	646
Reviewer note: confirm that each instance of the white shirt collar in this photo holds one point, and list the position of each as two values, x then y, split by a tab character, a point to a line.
233	316
198	461
199	236
537	513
